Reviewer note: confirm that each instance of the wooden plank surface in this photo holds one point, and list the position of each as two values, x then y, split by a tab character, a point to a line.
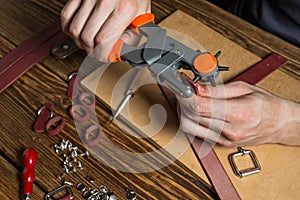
46	82
112	81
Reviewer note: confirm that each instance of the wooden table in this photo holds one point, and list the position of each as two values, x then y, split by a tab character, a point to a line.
47	82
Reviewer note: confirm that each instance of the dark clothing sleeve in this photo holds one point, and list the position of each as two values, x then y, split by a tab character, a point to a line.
279	17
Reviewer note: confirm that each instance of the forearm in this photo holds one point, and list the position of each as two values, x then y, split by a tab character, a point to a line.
290	132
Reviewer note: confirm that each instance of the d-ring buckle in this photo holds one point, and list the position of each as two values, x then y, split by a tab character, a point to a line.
69	196
244	172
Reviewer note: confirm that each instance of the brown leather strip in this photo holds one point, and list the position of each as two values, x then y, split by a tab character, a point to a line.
262	69
210	163
16	63
28	46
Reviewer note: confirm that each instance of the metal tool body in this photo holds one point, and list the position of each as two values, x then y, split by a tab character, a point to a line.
164	56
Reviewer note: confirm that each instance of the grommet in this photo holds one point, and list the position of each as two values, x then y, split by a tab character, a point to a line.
93	135
80	186
89	179
130	195
87	194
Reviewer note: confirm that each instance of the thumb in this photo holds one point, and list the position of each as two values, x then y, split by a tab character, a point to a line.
226	91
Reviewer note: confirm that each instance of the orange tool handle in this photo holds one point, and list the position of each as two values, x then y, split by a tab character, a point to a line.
115	54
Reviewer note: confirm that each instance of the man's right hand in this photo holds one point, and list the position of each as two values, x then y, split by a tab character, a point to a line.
100	23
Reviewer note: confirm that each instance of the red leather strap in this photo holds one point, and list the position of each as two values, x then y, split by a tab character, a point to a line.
88	100
95	133
55	125
210	163
44	113
22	58
262	69
79	113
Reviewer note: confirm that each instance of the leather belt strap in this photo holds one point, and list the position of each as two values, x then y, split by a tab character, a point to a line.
210	163
17	62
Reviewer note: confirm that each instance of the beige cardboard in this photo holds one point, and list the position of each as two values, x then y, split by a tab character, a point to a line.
279	178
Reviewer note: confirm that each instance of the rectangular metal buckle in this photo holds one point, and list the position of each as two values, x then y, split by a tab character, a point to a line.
244	172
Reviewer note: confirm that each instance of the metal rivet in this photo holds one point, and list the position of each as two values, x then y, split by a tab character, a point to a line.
61	176
80	186
90	179
86	153
67	183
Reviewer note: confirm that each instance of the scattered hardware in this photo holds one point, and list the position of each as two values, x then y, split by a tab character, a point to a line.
245	172
102	193
69	195
130	195
69	154
29	159
90	179
80	186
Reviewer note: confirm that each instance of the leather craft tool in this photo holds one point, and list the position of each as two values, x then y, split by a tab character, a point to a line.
29	160
164	56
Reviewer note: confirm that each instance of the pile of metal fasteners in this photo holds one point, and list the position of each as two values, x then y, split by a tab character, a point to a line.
69	153
103	193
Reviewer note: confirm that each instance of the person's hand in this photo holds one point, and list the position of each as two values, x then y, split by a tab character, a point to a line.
100	23
239	114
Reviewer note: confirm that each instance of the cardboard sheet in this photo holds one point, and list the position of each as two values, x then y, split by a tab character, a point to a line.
280	164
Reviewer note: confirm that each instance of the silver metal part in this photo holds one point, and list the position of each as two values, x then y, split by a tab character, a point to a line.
86	153
244	172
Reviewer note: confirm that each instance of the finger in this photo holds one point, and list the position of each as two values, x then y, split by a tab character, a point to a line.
204	107
190	127
78	23
112	30
100	14
230	90
67	14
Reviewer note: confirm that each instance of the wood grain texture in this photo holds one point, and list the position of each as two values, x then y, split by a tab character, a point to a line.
46	82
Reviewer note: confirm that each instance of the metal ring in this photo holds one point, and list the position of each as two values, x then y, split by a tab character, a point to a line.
45	108
244	172
72	75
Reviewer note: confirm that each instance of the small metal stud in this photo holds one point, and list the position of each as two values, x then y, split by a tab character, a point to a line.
61	176
80	186
86	153
67	183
